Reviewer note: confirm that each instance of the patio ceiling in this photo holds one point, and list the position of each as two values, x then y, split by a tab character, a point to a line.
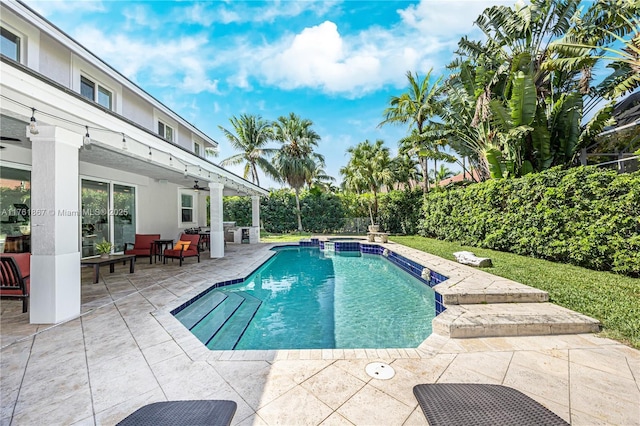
13	133
117	160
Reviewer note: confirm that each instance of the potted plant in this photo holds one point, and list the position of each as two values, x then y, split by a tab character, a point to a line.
369	200
104	248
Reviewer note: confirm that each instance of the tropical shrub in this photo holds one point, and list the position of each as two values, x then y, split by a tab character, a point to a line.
352	204
238	210
400	211
321	212
278	211
584	216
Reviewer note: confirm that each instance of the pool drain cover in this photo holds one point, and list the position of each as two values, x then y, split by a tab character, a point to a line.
380	370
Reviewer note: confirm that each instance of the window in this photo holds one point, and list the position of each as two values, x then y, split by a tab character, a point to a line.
96	93
104	97
10	46
187	208
87	88
15	218
196	148
165	131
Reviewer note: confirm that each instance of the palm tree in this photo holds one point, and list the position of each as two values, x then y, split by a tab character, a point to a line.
252	134
319	178
594	39
458	111
368	169
441	174
415	107
405	171
296	159
525	118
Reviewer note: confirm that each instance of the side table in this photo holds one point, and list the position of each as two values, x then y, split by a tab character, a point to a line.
160	246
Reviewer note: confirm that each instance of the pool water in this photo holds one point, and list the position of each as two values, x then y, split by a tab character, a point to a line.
311	299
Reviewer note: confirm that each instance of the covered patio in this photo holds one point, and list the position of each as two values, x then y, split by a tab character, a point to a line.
82	187
126	350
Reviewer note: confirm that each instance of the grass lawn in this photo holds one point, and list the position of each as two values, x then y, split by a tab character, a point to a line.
612	299
266	237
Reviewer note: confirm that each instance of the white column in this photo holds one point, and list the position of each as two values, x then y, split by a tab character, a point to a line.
215	211
55	254
255	216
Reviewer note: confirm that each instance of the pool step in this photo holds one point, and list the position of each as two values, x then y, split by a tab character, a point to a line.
195	312
209	325
512	319
229	335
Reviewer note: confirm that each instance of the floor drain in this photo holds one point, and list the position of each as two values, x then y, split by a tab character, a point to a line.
380	370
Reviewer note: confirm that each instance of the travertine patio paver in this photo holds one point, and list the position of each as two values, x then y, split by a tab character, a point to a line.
126	353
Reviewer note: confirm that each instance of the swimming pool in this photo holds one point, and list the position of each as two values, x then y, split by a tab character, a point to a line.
305	298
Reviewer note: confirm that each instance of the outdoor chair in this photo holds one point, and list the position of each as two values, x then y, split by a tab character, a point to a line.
143	246
462	404
187	246
205	240
192	413
15	270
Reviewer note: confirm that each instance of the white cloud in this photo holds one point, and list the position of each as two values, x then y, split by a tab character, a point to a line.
49	7
445	18
317	58
320	57
424	36
178	62
195	78
204	14
141	16
290	9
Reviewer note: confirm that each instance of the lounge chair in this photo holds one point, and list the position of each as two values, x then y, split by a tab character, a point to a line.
463	404
143	246
192	413
15	269
187	246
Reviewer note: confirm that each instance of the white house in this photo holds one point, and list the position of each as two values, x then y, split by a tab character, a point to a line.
88	155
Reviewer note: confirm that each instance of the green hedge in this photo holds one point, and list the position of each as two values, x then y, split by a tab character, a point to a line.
321	213
237	209
278	211
400	211
584	216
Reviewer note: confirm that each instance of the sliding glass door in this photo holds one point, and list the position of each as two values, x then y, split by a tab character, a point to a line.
15	206
108	214
95	218
124	216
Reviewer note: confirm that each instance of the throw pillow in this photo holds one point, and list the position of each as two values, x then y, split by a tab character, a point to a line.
181	244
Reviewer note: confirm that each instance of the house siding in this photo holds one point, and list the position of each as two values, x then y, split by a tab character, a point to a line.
55	60
137	110
158	209
184	138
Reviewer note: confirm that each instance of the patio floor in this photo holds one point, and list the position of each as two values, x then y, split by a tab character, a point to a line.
126	351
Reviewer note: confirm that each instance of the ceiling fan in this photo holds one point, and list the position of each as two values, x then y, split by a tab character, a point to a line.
197	187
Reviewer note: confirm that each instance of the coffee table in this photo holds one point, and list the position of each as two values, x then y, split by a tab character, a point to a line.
97	262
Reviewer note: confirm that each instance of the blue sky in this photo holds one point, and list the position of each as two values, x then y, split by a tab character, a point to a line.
336	63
